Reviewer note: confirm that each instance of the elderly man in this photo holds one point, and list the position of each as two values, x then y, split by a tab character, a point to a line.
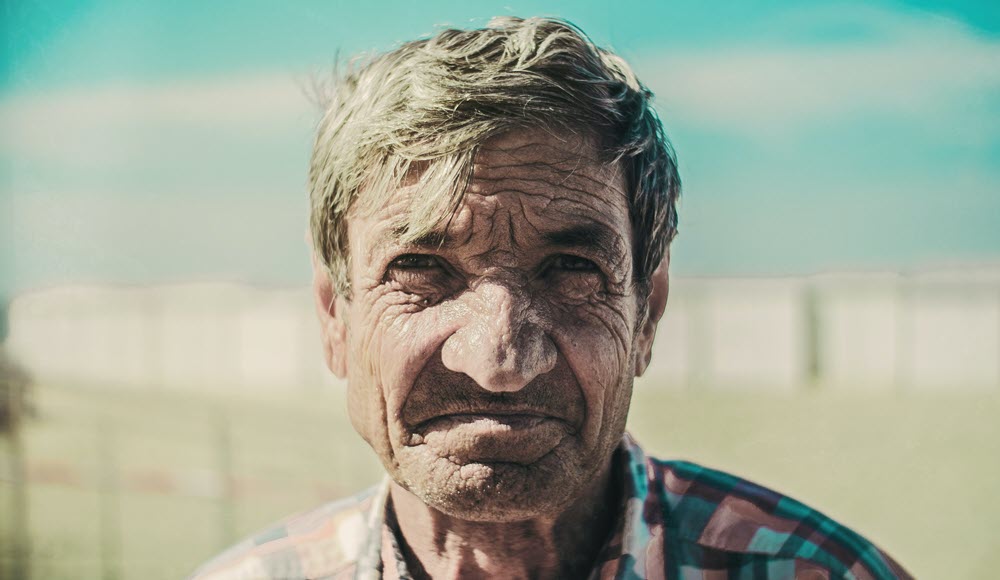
491	215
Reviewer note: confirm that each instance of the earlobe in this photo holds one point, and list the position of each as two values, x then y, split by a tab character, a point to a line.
330	310
656	304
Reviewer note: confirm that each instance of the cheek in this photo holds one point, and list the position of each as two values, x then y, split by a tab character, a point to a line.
398	342
596	339
365	410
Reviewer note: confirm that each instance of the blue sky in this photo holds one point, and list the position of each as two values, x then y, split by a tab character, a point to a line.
151	142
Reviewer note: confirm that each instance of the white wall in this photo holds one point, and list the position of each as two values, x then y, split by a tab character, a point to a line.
859	331
215	336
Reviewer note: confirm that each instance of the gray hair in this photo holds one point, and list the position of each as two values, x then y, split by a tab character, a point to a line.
422	110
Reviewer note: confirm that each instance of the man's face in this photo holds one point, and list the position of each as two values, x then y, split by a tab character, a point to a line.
490	365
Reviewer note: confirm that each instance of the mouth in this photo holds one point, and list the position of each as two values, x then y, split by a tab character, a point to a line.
492	436
513	419
489	423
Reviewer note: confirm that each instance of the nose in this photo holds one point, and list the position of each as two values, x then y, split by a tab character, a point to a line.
501	347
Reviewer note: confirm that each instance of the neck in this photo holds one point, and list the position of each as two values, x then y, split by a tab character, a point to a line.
563	545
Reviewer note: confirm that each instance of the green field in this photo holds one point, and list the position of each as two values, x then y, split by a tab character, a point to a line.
919	474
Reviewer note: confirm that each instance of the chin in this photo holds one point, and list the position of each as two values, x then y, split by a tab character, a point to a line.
496	491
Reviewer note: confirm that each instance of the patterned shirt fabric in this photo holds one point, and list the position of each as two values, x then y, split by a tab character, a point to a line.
677	520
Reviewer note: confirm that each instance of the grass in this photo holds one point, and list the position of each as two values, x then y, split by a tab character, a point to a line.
917	474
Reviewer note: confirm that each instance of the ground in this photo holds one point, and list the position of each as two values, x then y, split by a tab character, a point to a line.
917	473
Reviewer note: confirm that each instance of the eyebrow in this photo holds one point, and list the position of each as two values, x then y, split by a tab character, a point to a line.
593	237
432	240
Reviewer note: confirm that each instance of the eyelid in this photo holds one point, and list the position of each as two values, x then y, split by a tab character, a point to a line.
430	261
594	266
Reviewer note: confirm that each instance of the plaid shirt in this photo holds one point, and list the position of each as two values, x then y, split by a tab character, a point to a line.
677	520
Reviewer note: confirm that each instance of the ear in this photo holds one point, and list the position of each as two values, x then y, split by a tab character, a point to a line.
656	304
331	310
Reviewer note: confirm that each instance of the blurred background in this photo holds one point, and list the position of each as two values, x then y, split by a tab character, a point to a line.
833	329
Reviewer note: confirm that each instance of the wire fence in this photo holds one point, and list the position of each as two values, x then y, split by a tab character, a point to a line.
111	483
141	492
140	478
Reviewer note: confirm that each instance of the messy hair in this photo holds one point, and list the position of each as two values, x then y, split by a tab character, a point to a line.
424	109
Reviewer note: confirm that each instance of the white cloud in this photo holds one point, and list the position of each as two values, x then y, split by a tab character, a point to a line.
108	123
82	234
911	64
935	71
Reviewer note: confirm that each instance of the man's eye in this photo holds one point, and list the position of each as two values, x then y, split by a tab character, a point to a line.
415	262
425	278
573	264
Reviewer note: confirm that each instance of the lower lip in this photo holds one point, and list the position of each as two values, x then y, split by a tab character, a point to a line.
487	438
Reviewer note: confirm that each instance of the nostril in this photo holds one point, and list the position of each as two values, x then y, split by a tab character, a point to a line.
500	344
496	364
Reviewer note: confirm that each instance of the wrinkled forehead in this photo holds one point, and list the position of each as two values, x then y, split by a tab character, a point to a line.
559	151
559	174
546	160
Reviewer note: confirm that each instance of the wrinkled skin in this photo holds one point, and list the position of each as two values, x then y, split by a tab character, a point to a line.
490	366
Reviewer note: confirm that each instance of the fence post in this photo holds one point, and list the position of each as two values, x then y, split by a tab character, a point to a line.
904	333
20	548
813	335
227	491
110	512
153	338
699	336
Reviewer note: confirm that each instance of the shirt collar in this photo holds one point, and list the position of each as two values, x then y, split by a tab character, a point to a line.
632	527
370	559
